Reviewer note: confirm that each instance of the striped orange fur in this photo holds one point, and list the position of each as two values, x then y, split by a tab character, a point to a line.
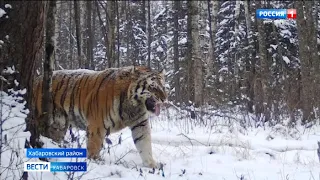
103	102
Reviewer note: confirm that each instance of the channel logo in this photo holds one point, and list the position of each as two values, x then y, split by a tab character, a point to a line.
55	166
37	166
276	13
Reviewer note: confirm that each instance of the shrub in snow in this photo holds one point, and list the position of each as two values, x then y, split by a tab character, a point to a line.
12	142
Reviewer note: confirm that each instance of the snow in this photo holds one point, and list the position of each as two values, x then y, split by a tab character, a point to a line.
2	12
16	82
226	8
9	70
68	71
189	150
159	14
159	49
13	116
274	46
286	59
8	6
223	22
223	69
285	33
182	41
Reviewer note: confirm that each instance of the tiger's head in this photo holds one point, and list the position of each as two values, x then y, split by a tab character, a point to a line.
156	86
149	89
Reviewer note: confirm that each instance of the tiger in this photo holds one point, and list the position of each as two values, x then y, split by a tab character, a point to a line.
102	103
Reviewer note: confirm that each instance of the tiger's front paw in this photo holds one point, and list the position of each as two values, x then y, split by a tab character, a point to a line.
154	165
151	163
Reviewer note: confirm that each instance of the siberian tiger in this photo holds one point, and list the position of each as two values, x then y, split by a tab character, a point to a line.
104	102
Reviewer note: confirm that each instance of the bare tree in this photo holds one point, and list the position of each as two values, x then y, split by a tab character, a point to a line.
118	34
203	42
58	35
305	36
71	39
48	68
262	79
236	45
110	43
149	35
176	6
196	58
311	21
78	30
23	49
143	16
250	60
89	33
188	57
211	64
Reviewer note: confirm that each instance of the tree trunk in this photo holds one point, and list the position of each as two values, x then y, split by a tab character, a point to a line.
25	31
315	12
118	34
312	37
89	38
143	16
149	34
305	47
250	65
263	79
317	49
48	68
83	32
102	26
190	72
129	36
143	26
58	23
235	58
203	13
110	44
196	58
176	7
212	65
93	29
70	66
78	31
312	42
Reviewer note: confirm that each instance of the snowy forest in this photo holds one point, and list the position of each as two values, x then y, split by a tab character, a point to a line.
222	63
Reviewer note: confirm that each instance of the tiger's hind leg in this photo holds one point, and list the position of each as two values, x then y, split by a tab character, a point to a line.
141	135
95	135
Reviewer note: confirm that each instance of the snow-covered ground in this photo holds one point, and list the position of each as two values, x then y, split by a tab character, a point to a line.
221	150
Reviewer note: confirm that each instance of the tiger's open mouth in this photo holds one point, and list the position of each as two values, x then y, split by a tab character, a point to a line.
153	106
